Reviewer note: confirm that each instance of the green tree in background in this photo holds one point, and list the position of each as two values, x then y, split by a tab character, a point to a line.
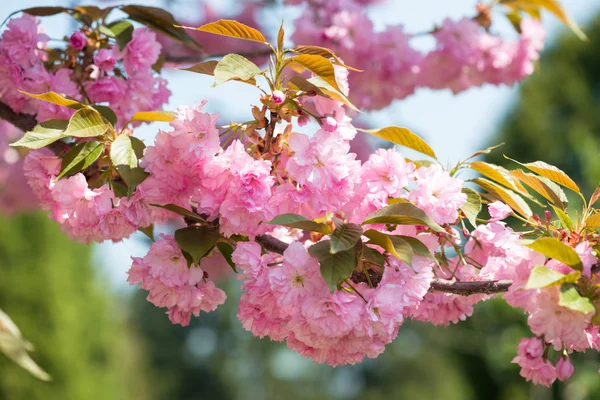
48	287
557	116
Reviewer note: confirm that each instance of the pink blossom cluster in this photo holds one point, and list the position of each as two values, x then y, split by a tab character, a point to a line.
141	89
22	58
536	368
183	290
25	66
465	54
86	214
290	301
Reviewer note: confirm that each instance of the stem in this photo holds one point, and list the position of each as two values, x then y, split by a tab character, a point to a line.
269	132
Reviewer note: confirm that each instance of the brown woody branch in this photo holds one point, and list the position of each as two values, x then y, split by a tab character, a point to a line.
438	285
24	122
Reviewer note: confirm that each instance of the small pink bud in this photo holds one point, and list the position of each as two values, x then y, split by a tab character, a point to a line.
466	232
537	218
77	40
548	215
329	124
303	119
278	97
564	368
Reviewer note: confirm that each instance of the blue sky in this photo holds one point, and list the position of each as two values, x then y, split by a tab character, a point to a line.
454	125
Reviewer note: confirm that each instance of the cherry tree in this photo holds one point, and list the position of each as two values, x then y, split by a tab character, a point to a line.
334	253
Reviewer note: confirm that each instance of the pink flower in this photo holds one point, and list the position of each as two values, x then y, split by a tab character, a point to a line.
533	365
21	39
141	52
278	97
78	40
329	124
386	171
105	59
499	211
438	194
171	284
564	368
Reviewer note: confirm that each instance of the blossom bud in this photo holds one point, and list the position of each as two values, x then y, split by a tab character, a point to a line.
564	368
278	97
548	215
536	218
303	119
329	124
78	40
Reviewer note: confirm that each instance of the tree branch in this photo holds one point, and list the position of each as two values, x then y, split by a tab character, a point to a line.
469	288
24	122
438	285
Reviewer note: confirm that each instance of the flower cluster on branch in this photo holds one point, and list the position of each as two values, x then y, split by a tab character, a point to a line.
334	253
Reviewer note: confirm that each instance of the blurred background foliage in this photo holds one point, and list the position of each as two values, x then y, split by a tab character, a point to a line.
99	345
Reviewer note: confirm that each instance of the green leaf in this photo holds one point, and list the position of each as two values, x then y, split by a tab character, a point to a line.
138	146
132	177
197	241
86	122
160	116
395	245
323	52
417	246
554	248
160	20
122	31
55	98
334	267
280	38
320	66
473	205
345	236
205	68
402	214
148	231
564	219
80	157
44	11
107	113
542	277
43	134
300	222
570	298
122	153
330	92
554	7
235	67
373	256
551	172
181	211
543	186
593	221
404	137
498	174
233	29
507	196
226	251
